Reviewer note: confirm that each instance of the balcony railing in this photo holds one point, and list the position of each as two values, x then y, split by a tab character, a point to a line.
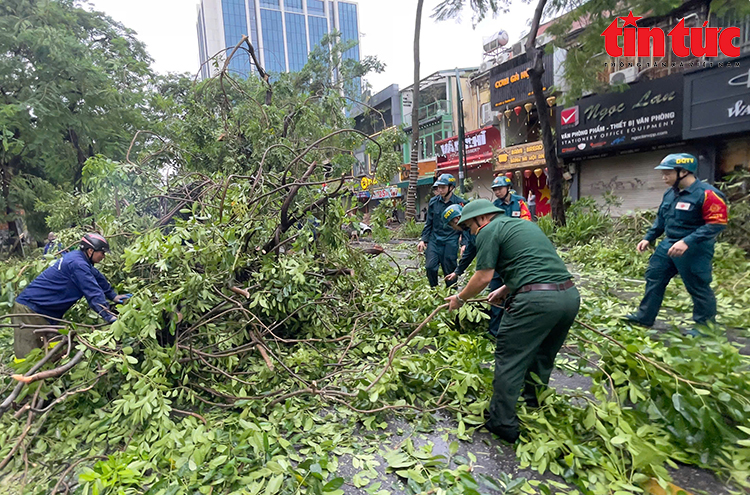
438	107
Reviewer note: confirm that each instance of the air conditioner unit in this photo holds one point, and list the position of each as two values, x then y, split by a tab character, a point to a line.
487	113
518	49
623	76
485	66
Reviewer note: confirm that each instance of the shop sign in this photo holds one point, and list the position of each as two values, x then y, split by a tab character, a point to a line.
717	101
386	192
648	112
424	168
523	155
479	145
511	85
366	182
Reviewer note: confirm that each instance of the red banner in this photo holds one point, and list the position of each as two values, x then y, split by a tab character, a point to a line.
479	146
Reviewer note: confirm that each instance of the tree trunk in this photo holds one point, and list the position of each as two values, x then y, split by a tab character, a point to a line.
554	174
5	178
411	195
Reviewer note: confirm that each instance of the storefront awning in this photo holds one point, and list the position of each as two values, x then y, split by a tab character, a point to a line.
426	181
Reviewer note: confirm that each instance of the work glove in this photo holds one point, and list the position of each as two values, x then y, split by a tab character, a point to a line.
122	298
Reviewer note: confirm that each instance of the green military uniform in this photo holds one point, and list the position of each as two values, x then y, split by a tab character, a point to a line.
536	320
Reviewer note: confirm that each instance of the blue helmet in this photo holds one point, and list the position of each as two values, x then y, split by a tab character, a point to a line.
501	181
453	211
684	161
445	180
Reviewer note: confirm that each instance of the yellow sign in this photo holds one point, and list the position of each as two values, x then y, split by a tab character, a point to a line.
521	156
367	182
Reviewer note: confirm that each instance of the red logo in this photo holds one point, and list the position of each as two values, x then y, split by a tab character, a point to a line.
596	145
569	117
637	41
568	150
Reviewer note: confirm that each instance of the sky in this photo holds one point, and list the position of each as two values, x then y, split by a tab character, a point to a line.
168	29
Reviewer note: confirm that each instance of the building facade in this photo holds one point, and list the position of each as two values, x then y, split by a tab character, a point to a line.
283	32
438	121
611	141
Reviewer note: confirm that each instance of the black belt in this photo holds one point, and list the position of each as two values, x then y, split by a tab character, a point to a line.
557	287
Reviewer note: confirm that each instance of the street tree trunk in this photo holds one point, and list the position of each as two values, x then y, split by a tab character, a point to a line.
411	195
6	175
554	173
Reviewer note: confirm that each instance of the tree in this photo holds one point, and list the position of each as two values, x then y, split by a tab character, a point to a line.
72	86
411	195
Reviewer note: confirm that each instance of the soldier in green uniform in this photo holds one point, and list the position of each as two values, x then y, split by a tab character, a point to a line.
440	241
542	303
692	213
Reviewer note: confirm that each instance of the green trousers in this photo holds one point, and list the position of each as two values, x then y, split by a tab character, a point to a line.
532	331
24	339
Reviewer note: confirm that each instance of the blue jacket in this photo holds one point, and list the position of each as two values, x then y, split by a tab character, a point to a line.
695	215
516	208
61	285
435	230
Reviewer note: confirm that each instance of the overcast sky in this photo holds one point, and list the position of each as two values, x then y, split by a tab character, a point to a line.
167	27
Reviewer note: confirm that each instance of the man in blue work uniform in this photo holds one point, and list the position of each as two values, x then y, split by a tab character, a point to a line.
58	288
513	205
692	214
440	241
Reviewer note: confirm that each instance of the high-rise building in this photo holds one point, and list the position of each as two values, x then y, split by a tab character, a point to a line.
282	32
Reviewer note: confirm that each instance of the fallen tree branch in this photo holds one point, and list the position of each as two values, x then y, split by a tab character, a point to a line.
60	370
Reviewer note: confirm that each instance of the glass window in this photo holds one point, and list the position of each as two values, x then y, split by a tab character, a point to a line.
253	26
350	32
296	41
318	27
270	3
273	40
293	5
235	26
316	7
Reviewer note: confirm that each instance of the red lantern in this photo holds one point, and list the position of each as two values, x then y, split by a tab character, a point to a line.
518	110
509	175
527	173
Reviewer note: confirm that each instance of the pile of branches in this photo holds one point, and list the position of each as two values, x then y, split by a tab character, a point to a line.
246	294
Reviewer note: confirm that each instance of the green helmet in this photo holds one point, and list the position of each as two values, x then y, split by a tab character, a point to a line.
478	207
501	181
453	211
445	180
684	161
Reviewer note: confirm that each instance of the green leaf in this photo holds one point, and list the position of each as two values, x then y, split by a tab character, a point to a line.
333	484
274	485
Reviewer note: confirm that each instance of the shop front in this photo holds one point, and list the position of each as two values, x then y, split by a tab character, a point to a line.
615	140
525	166
479	146
717	109
521	158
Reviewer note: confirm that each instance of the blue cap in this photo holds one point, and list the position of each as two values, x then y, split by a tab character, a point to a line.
685	161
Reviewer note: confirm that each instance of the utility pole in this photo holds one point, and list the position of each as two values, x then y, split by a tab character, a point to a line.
461	135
